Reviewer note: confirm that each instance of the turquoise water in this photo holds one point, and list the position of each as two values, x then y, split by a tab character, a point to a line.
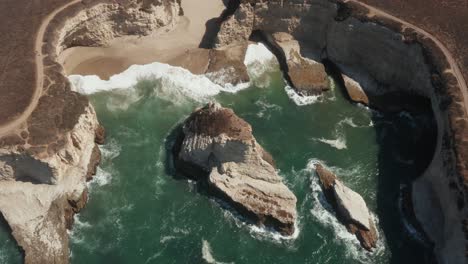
139	212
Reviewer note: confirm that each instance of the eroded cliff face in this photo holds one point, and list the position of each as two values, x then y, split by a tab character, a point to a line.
392	64
46	161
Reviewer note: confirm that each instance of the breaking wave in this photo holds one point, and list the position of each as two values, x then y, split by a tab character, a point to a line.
260	62
301	100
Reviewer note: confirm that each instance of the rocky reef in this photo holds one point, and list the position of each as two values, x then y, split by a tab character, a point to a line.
218	148
47	155
390	65
350	208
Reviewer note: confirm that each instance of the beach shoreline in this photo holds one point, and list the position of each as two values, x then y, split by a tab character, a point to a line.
164	45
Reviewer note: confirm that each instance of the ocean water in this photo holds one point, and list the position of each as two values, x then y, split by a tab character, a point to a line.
140	211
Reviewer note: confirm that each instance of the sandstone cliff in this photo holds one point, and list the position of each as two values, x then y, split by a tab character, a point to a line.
394	64
46	160
218	148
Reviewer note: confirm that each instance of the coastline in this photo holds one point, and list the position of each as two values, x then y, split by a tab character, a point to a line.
166	45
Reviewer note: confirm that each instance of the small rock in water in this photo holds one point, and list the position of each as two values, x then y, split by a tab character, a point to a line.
350	207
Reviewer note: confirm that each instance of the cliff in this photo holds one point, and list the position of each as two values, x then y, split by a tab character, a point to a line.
49	151
395	63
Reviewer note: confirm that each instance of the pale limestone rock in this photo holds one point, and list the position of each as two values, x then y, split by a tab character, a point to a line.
351	205
236	167
36	216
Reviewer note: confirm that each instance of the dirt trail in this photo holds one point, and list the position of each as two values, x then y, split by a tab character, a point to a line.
451	60
11	126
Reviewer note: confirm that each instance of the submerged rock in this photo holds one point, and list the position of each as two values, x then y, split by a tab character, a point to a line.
350	207
306	75
217	147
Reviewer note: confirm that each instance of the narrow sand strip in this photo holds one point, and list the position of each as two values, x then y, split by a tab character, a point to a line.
161	46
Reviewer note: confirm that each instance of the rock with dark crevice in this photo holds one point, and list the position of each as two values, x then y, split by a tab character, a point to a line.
218	148
350	208
307	76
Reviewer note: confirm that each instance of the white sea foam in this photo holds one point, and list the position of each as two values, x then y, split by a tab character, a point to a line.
256	231
195	86
110	150
338	143
177	82
322	211
266	109
348	121
301	100
207	254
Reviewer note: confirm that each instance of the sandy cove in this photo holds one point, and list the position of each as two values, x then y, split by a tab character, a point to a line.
164	45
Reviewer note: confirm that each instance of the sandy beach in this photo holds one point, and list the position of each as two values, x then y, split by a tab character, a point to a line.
164	46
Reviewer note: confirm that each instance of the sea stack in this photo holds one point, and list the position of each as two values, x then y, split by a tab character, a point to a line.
218	148
308	77
351	209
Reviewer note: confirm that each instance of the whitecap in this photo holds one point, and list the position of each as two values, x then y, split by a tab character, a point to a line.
207	254
338	143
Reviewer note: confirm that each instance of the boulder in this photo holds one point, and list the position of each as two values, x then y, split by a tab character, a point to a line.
351	209
307	76
355	91
218	148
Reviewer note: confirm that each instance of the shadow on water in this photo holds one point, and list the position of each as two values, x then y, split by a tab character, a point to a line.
406	148
406	135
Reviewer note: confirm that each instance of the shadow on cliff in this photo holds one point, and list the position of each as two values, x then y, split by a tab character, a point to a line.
7	229
213	26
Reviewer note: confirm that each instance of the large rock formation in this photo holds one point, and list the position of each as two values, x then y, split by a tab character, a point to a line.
48	154
307	76
218	148
396	65
350	207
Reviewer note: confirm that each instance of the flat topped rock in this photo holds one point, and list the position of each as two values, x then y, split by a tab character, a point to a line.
350	208
352	205
307	76
218	147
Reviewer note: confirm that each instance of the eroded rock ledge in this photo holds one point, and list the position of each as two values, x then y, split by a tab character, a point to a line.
218	148
46	161
392	63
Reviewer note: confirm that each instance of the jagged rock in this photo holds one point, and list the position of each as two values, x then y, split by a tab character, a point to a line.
307	76
218	147
47	191
350	207
355	91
